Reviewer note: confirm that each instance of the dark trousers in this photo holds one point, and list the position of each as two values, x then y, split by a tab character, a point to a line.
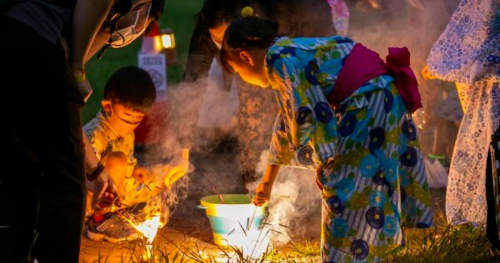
493	209
42	183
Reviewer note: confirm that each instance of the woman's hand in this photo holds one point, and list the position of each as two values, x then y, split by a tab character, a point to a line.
262	193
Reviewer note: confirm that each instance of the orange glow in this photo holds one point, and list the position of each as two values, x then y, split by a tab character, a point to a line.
149	229
157	44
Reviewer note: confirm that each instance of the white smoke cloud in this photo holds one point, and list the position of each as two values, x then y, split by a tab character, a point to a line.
295	205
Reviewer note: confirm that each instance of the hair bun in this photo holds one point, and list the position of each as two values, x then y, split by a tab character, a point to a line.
247	11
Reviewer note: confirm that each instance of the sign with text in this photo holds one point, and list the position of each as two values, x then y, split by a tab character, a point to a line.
156	66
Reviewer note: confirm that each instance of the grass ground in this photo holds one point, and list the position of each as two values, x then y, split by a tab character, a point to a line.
463	244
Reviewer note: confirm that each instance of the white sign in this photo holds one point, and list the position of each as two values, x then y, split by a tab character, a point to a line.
156	66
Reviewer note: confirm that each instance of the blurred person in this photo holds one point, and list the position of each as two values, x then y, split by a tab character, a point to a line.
347	116
49	42
468	54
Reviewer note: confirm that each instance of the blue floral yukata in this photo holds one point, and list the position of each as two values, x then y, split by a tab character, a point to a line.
369	164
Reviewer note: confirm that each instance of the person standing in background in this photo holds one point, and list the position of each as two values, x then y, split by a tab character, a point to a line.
468	54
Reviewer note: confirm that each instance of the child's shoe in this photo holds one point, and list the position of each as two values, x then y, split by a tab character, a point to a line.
114	229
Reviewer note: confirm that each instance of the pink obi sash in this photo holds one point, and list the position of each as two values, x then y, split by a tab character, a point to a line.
363	64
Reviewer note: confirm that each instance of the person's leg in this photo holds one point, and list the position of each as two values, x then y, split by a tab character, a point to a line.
18	200
258	110
20	179
376	184
62	193
359	220
44	110
493	208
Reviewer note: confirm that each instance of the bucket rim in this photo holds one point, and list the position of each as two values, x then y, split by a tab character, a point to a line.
205	203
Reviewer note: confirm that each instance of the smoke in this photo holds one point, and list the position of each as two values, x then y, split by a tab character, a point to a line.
182	124
172	128
295	205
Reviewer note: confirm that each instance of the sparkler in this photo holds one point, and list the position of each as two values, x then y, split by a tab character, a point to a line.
148	228
219	195
220	198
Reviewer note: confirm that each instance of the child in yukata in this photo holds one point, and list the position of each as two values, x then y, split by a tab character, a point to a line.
128	95
346	114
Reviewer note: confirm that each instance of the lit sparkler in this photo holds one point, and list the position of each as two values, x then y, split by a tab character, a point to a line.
148	228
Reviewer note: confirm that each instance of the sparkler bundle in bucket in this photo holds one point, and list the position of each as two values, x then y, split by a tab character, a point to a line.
234	219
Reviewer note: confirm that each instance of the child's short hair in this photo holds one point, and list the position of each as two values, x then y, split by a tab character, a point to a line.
246	33
132	87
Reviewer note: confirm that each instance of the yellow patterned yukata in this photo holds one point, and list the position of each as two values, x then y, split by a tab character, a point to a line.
104	140
369	165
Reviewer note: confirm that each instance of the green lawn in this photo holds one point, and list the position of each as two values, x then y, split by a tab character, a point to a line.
178	16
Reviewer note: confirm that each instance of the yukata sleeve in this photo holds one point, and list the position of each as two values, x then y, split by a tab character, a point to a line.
468	49
280	152
98	141
295	125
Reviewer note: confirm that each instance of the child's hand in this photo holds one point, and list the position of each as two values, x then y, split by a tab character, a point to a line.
173	173
262	193
141	175
105	187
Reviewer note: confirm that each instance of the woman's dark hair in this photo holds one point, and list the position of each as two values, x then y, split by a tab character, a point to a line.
132	87
246	33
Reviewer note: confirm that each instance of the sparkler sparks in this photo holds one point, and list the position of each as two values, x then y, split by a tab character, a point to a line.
148	228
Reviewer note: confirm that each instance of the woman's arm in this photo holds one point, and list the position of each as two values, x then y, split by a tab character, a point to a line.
103	182
88	18
201	53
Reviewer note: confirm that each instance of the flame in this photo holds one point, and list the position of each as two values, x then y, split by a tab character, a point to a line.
149	229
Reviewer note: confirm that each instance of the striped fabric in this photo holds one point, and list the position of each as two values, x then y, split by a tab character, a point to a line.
367	154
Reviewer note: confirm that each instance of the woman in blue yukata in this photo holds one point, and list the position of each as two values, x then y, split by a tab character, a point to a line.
346	114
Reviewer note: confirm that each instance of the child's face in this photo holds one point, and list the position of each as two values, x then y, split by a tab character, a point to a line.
122	119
